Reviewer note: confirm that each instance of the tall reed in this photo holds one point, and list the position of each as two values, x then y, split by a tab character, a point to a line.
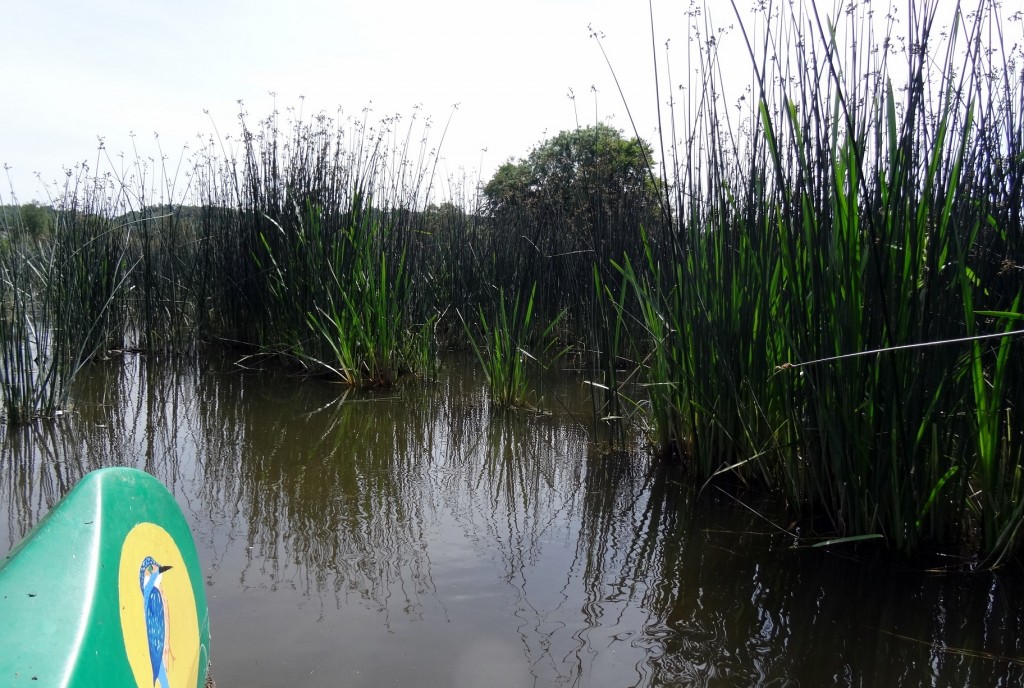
317	252
60	293
830	253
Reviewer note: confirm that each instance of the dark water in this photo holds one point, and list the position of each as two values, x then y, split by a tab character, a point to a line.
417	539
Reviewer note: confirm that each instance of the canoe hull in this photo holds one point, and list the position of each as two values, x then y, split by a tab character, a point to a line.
107	590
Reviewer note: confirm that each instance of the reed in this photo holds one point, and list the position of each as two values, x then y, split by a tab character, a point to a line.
24	393
358	317
503	345
308	242
169	262
61	297
832	255
317	251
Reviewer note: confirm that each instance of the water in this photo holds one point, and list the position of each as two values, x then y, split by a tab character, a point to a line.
415	538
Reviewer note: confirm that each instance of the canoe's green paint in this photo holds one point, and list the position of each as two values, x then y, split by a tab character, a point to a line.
71	603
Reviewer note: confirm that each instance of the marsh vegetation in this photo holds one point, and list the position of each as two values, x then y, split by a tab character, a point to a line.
816	290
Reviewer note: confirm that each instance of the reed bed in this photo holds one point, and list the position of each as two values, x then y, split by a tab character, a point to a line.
59	294
556	224
305	243
833	313
317	251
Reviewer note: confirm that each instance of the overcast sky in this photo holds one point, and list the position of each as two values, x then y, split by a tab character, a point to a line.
78	70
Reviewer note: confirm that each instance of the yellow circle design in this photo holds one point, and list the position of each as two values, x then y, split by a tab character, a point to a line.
181	624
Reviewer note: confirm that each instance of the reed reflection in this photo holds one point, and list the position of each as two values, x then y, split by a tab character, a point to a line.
328	490
716	596
501	541
36	470
517	497
41	462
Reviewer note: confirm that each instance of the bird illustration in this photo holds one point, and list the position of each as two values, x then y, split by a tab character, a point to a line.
150	575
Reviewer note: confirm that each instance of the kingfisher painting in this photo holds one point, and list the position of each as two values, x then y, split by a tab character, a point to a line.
103	621
155	608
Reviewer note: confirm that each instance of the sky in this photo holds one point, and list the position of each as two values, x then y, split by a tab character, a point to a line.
500	70
79	70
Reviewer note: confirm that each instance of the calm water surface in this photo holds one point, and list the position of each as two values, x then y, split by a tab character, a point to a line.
416	538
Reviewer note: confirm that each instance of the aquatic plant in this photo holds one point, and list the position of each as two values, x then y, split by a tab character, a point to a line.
315	255
60	294
359	316
832	313
504	344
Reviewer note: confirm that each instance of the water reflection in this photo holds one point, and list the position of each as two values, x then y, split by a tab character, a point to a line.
421	538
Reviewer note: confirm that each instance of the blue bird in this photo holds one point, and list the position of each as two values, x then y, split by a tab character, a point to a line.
150	574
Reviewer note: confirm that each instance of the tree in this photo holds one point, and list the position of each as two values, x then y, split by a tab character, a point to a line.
584	181
578	199
35	220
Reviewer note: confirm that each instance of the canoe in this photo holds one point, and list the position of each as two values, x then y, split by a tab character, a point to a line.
106	591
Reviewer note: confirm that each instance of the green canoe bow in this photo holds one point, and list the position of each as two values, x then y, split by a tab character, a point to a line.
106	591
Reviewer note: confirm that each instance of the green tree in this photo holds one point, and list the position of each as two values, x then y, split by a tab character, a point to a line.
581	180
578	200
36	220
